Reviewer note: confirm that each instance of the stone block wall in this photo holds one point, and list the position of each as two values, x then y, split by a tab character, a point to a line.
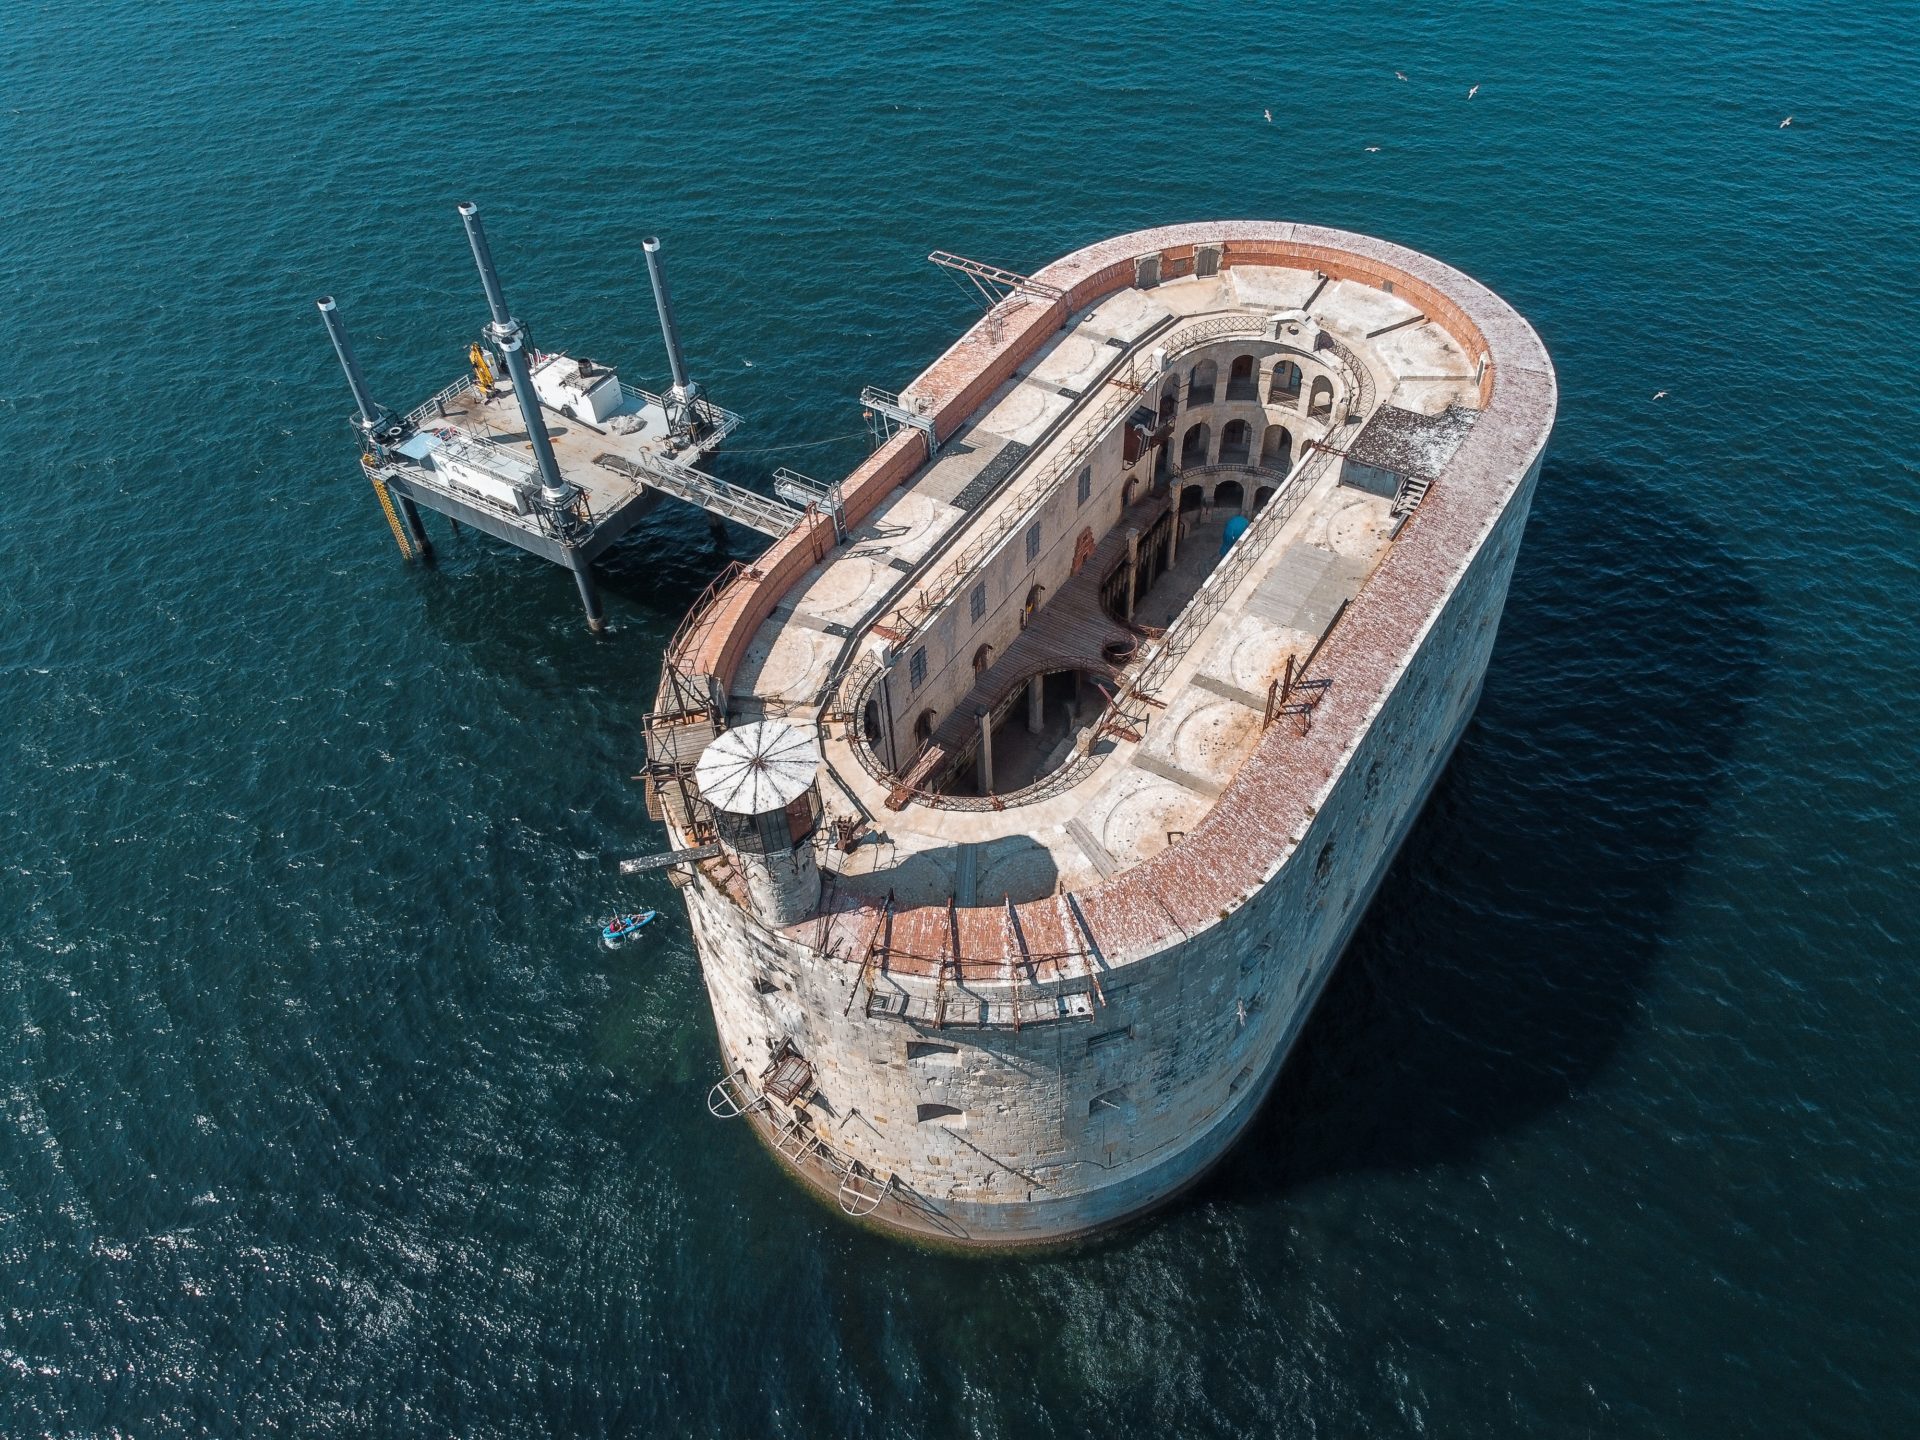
1019	1137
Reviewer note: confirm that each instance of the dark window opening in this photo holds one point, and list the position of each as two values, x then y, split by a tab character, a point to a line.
1194	446
1285	383
1276	450
1200	383
1241	384
1320	404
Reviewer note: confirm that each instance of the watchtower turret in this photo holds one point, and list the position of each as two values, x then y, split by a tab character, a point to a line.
761	782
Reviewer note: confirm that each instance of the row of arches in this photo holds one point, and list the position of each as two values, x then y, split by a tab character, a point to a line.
1284	384
1236	446
1225	495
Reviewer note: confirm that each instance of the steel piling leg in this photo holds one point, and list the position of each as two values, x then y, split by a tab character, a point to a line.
415	526
589	597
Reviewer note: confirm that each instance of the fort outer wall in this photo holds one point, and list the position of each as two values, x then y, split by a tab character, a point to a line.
1214	951
1074	1125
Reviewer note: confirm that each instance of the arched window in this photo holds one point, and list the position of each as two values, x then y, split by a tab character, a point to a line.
1236	443
1241	384
1193	448
923	727
1034	597
1200	384
1128	491
1229	495
1320	402
1284	387
1169	403
1276	451
982	658
870	721
1262	495
1192	497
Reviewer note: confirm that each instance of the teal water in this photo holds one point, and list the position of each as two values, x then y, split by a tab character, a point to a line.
324	1114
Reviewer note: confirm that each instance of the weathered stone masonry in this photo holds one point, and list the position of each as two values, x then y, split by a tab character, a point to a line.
1211	952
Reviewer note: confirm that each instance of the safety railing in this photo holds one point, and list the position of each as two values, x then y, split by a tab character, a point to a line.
438	403
696	487
1211	597
1128	384
1123	394
1359	379
719	423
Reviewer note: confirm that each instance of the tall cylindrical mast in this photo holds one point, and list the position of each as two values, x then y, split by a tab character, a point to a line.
509	338
663	301
372	415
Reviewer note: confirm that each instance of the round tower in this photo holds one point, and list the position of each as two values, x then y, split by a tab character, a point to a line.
761	783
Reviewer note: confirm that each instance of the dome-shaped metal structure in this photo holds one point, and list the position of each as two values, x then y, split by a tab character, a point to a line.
759	782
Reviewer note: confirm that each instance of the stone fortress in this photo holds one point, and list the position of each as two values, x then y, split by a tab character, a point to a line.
1027	792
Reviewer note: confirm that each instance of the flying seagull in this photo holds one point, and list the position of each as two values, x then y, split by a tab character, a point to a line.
1473	92
1399	74
1269	115
1659	394
1786	122
1372	149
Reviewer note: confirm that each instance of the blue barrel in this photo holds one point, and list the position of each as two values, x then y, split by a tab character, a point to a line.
1236	527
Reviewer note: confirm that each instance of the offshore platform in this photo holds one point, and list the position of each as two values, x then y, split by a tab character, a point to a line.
555	454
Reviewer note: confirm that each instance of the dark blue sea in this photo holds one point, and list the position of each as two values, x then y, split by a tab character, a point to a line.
321	1111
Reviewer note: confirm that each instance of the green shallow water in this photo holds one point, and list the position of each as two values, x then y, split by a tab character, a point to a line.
323	1112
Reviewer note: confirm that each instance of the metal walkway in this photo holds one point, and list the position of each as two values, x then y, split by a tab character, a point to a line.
717	497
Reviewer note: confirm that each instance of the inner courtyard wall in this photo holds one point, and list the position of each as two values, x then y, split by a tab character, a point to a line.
948	643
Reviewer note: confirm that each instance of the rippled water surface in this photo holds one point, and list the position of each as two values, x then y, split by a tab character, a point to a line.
322	1112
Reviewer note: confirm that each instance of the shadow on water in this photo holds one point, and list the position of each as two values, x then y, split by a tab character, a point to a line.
486	598
1503	960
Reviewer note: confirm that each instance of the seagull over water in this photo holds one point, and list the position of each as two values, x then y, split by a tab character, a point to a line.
1473	92
1659	394
1269	115
1373	149
1786	122
1399	74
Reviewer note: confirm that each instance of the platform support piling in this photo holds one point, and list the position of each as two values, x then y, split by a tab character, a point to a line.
509	337
375	429
986	751
386	499
682	416
415	526
1036	705
589	595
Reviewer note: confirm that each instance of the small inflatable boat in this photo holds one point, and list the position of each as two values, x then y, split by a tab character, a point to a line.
622	928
